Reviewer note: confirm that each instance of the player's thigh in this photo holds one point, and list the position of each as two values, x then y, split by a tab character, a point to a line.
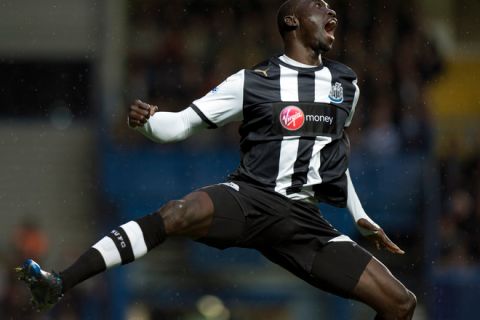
227	225
335	267
378	288
338	267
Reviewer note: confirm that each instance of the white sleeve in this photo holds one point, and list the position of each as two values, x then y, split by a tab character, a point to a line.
354	103
166	127
355	208
224	103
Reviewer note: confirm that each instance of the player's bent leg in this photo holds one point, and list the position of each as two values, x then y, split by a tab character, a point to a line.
378	288
131	241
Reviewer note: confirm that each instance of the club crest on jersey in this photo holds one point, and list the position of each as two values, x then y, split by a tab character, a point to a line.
292	118
336	93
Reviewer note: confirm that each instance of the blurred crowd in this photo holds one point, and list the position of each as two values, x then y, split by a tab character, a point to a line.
179	50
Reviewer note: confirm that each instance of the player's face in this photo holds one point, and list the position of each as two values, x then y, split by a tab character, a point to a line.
317	23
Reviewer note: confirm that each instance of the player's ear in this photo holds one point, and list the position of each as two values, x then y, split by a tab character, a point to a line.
291	22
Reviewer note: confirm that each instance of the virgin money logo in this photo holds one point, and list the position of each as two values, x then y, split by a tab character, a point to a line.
292	118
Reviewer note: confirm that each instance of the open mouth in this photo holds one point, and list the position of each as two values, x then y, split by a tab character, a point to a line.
330	27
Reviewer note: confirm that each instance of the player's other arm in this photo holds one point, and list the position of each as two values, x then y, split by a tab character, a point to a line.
365	224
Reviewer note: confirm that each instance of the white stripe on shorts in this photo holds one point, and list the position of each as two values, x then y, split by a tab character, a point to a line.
341	238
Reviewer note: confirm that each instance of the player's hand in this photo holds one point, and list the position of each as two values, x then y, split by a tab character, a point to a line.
378	237
139	113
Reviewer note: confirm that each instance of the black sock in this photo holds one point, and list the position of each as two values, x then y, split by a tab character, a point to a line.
87	265
122	245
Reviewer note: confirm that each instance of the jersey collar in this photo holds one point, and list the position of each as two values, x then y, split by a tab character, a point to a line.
293	64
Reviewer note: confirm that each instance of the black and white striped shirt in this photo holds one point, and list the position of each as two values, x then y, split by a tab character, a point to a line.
292	132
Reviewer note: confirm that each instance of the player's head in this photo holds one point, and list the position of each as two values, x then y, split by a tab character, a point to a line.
310	21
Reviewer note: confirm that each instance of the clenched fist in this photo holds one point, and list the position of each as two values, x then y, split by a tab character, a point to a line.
139	113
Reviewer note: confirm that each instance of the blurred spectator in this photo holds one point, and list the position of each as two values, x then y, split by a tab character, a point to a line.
454	227
460	223
381	136
28	240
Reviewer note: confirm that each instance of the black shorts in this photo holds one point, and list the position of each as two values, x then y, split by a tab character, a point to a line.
292	234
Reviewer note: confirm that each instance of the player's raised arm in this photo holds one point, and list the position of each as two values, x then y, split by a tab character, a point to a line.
365	224
163	127
220	106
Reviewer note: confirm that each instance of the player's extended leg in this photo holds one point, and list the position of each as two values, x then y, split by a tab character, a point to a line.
190	217
378	288
346	269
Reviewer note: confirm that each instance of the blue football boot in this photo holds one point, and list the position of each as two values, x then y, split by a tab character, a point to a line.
46	287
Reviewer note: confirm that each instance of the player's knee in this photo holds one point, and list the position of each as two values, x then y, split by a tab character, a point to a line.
405	306
411	303
174	214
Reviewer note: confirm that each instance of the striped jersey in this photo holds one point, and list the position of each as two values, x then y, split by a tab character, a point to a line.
292	131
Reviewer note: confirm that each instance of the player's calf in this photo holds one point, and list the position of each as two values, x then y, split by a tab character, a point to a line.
397	306
379	289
